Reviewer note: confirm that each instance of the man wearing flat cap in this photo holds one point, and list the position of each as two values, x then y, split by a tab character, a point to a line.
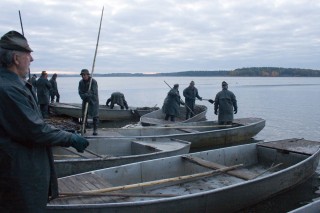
171	104
225	105
190	94
27	176
90	97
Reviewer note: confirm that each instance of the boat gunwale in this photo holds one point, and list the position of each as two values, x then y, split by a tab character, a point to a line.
182	134
187	143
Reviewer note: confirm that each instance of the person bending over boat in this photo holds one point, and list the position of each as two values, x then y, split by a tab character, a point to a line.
91	97
190	93
172	103
225	105
117	98
27	176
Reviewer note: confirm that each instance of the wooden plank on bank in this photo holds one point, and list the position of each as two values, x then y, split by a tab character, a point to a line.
245	175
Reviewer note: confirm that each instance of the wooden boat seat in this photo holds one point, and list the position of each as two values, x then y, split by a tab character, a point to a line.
79	183
188	130
145	144
294	145
156	121
240	173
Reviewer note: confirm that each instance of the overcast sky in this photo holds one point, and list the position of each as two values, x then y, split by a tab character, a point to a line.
167	35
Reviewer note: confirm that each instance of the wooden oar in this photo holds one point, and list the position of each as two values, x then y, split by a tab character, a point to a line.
76	153
167	180
271	168
71	194
23	35
66	156
180	127
81	155
93	153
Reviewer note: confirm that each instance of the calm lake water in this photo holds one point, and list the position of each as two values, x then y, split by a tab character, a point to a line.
290	106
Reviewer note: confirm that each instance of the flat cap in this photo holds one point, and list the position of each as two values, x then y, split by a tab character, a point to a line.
84	71
13	40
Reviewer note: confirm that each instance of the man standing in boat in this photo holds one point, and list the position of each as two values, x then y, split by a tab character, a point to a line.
43	93
91	97
117	98
171	105
225	104
27	176
190	93
54	93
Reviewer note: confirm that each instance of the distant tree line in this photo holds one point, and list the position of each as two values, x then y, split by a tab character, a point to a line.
195	73
242	72
275	72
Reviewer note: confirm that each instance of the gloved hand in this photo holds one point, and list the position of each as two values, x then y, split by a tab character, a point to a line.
200	98
79	143
235	111
87	96
216	112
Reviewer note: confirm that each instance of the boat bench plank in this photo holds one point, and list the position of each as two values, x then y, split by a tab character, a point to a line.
162	145
188	130
79	183
155	121
294	145
145	144
240	173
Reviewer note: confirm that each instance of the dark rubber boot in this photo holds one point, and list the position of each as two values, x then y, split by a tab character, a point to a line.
95	126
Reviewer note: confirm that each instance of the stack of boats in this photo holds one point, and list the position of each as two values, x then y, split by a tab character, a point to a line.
150	168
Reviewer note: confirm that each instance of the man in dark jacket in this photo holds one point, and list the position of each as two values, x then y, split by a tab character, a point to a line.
117	98
226	104
33	82
190	93
27	176
43	93
89	96
171	105
54	93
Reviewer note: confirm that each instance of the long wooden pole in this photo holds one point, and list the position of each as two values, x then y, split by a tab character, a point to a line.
23	35
92	70
71	194
167	180
21	23
183	127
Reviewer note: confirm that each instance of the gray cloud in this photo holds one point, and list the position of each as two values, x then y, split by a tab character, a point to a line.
167	36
